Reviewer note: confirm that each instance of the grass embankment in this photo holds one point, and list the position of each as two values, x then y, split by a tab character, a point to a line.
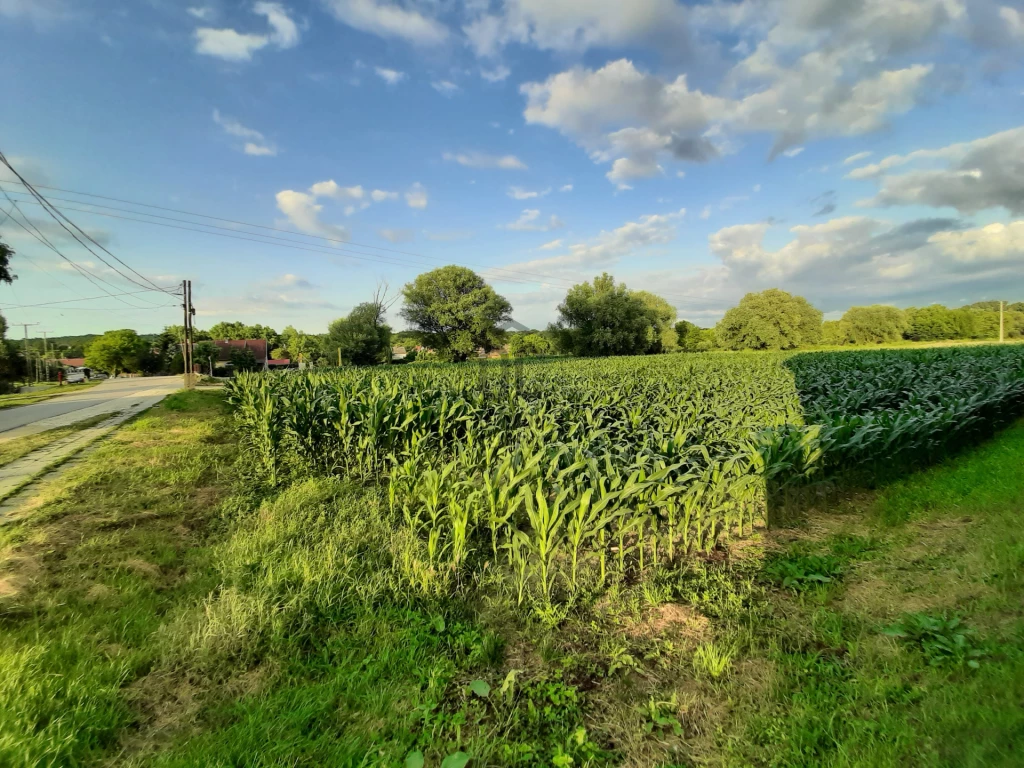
152	620
28	398
12	450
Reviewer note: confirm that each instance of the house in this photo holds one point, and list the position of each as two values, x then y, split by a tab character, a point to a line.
278	362
226	347
398	353
73	362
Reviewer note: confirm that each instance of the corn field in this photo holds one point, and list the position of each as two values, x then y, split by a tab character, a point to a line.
568	475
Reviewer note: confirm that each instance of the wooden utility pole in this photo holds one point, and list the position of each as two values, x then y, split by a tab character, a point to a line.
186	347
1001	303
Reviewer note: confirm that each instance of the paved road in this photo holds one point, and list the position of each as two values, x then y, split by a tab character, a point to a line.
111	395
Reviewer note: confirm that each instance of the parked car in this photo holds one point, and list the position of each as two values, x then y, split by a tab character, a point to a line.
74	376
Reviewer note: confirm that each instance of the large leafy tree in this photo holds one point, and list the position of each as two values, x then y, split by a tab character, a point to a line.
664	338
455	312
117	352
936	323
772	319
238	331
528	345
689	336
877	324
206	353
363	338
604	318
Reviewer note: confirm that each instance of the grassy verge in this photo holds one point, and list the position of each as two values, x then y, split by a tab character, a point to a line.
175	625
12	450
28	398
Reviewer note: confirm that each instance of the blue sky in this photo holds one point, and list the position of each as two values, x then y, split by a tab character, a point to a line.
854	151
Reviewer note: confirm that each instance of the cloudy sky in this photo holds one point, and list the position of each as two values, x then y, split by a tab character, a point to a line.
850	150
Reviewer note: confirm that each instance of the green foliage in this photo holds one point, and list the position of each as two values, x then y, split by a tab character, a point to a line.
243	360
691	338
529	345
601	318
238	331
454	312
800	572
877	324
937	323
116	352
363	337
205	354
6	254
943	640
772	319
663	337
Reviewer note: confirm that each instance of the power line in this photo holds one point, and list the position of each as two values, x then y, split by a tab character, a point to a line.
33	230
86	298
75	230
532	277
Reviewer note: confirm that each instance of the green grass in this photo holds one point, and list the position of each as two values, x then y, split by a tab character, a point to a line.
162	608
12	450
28	398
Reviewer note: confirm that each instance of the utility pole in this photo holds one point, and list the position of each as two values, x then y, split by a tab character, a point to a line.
1001	303
186	347
25	326
191	333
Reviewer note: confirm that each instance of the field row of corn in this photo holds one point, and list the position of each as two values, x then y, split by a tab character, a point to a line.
565	474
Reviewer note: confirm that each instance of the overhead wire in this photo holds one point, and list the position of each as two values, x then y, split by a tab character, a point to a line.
75	230
498	273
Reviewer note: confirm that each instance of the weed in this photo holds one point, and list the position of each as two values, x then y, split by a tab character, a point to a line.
802	572
712	660
943	640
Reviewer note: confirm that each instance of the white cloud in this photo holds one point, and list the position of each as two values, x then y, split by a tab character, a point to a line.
40	12
203	14
565	188
389	76
793	151
445	87
607	248
231	45
396	235
571	25
856	158
331	189
995	242
529	221
552	245
518	193
303	212
257	144
416	197
389	20
483	160
496	75
973	175
293	281
259	150
706	212
379	195
228	44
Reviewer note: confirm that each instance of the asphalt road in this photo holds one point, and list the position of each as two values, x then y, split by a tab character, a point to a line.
111	395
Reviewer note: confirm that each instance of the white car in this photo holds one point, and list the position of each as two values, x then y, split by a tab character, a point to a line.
74	376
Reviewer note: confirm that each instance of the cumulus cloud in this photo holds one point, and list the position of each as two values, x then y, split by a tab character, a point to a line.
608	247
857	259
484	160
973	176
389	76
389	20
552	245
416	197
530	221
379	195
396	235
332	189
569	25
303	212
856	158
256	145
231	45
565	188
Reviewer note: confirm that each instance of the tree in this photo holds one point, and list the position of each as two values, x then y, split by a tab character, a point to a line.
528	345
772	319
602	318
242	360
206	352
938	323
6	253
877	324
9	359
835	333
363	337
116	352
665	338
238	331
689	336
455	312
301	347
